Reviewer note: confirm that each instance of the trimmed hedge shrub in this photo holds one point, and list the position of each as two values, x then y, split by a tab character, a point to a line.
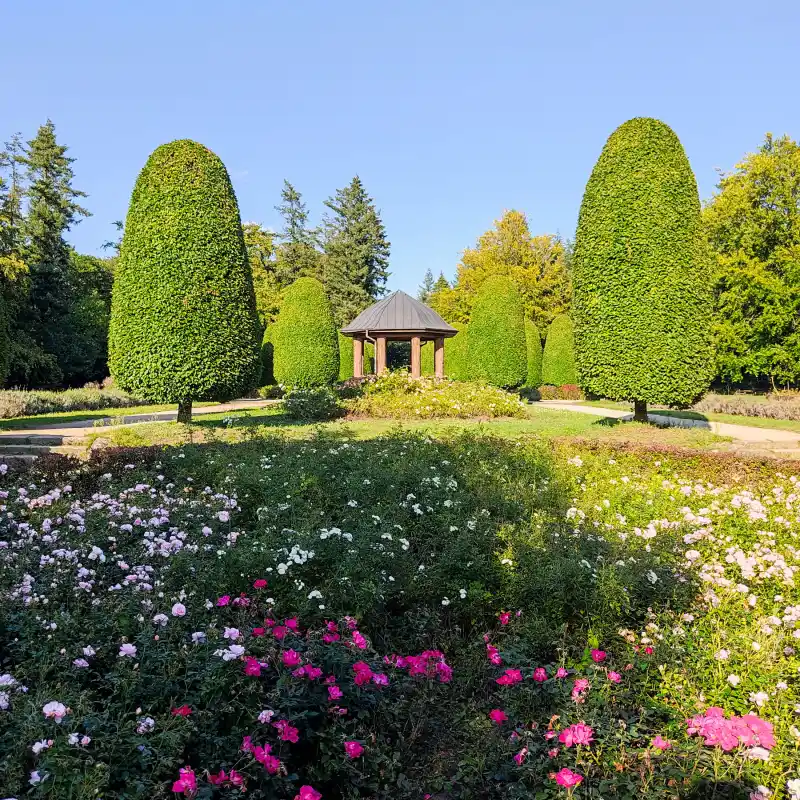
534	344
312	405
497	351
455	356
346	357
267	358
305	339
558	358
183	317
642	303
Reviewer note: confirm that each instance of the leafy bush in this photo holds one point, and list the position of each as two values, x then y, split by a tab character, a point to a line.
271	392
311	405
776	405
305	337
534	348
267	359
346	357
397	394
455	356
566	392
496	345
183	316
17	403
558	358
641	277
466	617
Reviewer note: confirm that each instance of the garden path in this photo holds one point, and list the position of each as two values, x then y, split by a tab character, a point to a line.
741	433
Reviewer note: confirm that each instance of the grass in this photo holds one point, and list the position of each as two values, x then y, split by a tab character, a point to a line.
544	423
21	423
732	419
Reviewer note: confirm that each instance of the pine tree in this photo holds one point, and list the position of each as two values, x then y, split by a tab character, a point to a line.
297	255
44	323
11	193
426	287
356	249
441	283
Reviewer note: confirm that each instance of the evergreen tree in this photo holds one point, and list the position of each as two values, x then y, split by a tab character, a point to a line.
643	306
12	264
297	255
356	249
261	255
42	326
426	287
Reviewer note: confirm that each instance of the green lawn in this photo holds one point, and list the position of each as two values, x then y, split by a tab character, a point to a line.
540	422
20	423
733	419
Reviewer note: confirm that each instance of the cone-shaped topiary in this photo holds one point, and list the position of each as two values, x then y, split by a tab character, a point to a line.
558	358
496	347
305	339
455	356
534	343
267	358
183	315
642	303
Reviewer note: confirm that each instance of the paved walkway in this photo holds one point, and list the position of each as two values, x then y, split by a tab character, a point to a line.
741	433
81	428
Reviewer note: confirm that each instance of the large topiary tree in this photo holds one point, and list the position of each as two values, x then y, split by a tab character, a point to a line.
304	337
496	346
642	303
558	358
183	315
534	344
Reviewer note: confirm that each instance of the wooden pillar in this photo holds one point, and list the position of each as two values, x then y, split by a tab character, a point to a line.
358	357
438	357
380	354
416	369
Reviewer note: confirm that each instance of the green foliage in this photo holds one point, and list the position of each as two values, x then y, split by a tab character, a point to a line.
266	286
183	320
397	394
427	287
16	403
496	345
558	359
455	355
356	264
312	405
305	338
752	225
567	391
534	344
346	361
536	264
267	358
641	281
297	255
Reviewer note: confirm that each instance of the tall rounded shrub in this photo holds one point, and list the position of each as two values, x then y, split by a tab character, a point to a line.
455	356
304	337
183	315
496	346
534	346
558	358
642	298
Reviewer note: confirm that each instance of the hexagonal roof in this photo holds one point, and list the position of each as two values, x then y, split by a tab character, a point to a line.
399	313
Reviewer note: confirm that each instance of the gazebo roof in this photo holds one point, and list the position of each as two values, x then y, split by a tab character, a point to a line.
396	314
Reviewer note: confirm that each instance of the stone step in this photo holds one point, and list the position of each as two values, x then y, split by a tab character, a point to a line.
36	439
17	461
24	449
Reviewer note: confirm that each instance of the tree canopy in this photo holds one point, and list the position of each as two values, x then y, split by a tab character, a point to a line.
752	225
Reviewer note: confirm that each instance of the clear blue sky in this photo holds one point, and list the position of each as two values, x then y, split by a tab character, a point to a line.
450	110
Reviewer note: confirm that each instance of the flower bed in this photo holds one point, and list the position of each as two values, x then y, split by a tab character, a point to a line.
389	619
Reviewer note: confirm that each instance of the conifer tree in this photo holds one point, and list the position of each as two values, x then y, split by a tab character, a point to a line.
426	287
356	249
297	255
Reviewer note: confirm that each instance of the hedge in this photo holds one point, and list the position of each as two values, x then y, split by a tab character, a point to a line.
534	346
558	358
346	357
642	302
496	348
183	315
304	337
455	356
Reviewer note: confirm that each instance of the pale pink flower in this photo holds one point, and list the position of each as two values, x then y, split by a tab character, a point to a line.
660	743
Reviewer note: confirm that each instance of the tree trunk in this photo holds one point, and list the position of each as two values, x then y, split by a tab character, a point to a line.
185	411
639	411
